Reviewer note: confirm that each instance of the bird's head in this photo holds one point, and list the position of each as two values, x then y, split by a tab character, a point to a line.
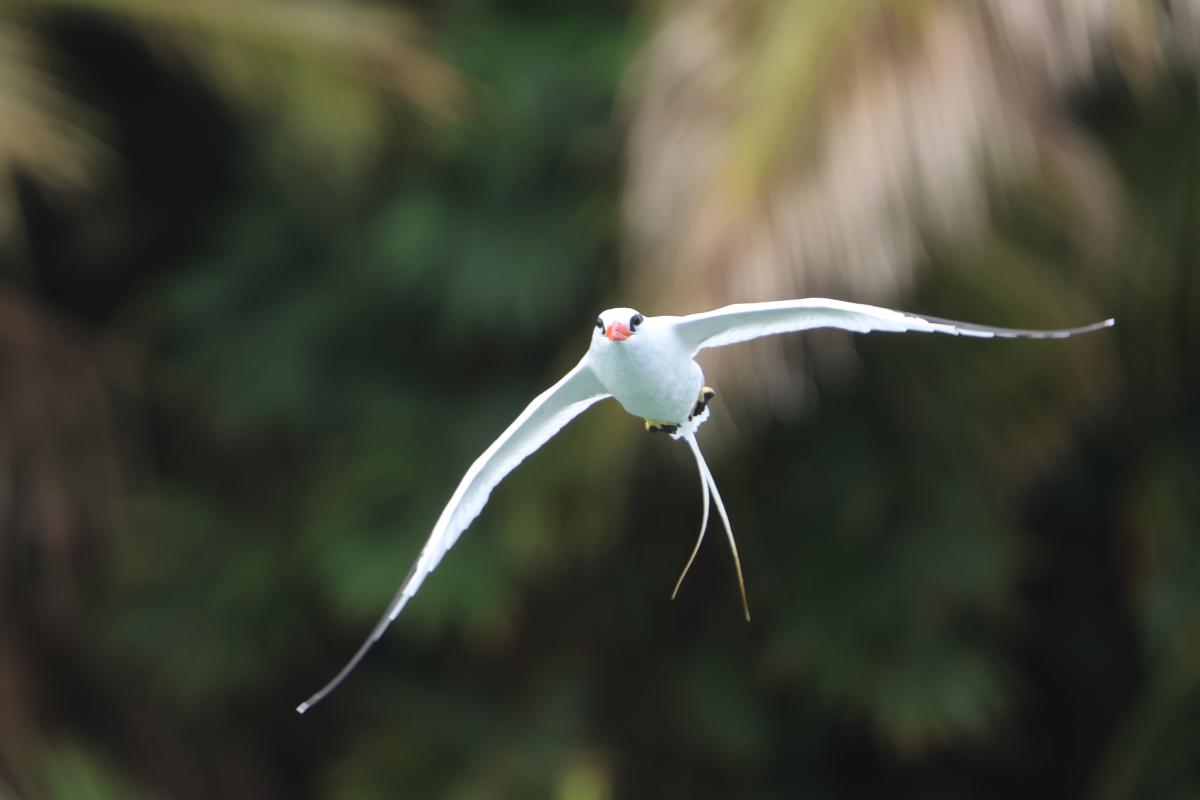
617	324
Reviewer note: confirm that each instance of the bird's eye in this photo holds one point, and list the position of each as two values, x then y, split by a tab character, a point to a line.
634	321
600	324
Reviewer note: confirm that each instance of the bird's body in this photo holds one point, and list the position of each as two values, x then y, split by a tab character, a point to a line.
648	365
652	375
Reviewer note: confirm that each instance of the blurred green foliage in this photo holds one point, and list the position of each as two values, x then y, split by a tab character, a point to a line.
973	565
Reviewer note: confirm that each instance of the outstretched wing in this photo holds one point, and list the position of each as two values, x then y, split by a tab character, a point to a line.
538	423
745	321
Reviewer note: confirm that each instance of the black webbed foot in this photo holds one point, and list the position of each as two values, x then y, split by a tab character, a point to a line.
706	396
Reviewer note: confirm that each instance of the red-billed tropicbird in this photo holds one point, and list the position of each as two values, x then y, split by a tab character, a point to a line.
648	365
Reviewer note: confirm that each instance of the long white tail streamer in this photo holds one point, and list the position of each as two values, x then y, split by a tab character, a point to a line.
703	523
707	477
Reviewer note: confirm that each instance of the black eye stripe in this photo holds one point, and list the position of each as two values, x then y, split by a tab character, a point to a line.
599	323
635	321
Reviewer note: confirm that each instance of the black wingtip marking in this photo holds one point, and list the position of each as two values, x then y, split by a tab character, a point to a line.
376	634
1022	333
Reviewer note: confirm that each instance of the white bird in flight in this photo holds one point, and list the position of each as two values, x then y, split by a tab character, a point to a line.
648	365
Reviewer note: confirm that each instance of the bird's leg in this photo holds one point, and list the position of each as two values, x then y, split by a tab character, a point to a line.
653	426
706	395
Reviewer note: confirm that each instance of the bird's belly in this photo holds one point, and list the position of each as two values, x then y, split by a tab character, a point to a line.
661	407
652	391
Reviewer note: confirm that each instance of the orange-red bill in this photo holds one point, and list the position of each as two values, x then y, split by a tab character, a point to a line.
617	332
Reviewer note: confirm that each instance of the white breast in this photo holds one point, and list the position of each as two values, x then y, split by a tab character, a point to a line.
651	374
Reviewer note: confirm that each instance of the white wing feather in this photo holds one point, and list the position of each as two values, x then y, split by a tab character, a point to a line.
537	424
744	321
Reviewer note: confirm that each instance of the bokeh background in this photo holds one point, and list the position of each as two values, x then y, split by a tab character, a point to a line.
273	273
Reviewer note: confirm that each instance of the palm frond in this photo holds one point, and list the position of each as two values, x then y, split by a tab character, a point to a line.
331	72
331	76
757	171
44	133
